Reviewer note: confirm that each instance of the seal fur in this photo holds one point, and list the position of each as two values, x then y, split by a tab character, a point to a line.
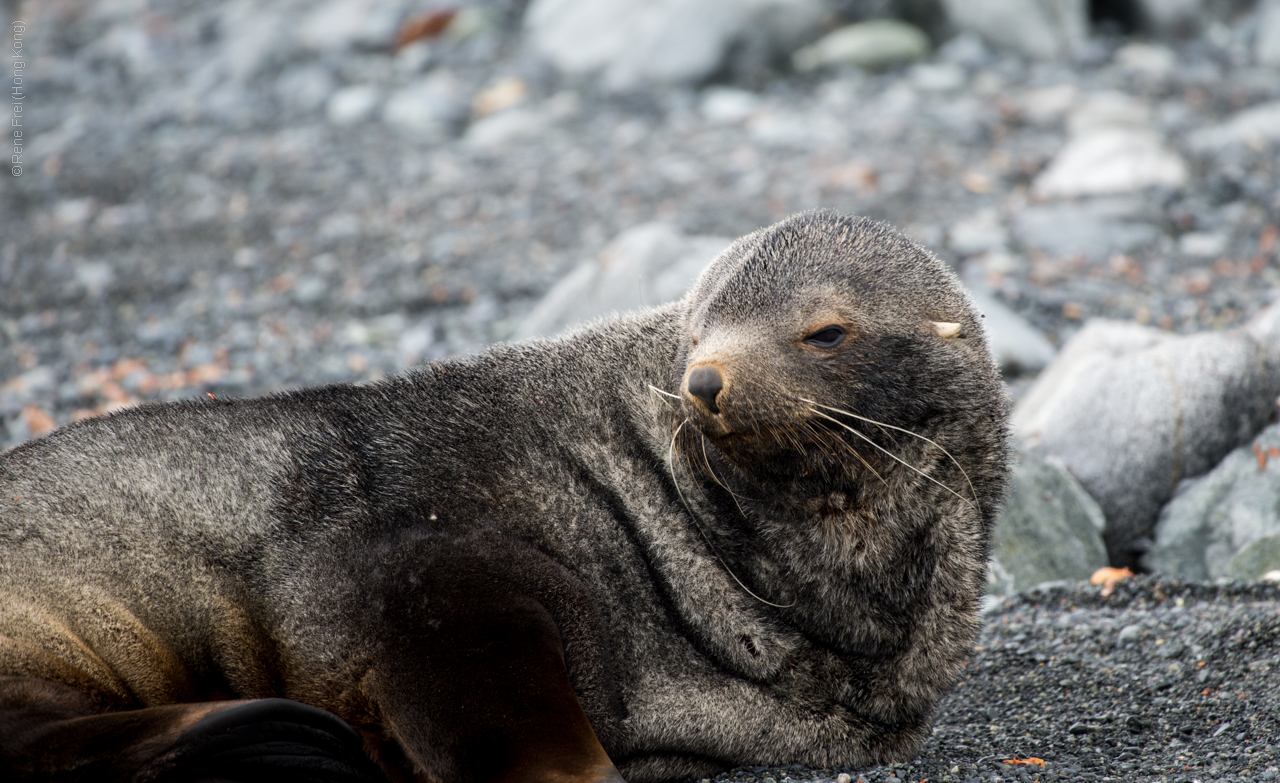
469	562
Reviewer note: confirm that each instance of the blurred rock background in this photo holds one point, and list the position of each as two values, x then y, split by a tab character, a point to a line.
234	197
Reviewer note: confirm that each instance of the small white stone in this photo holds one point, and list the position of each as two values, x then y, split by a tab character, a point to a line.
1256	127
1202	243
1266	46
979	233
873	44
1111	160
426	107
1048	105
727	105
1148	59
938	77
353	104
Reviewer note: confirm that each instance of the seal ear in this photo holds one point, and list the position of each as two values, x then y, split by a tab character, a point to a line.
946	329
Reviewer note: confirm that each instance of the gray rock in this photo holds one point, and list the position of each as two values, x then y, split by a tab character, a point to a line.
1205	244
1227	523
638	42
1266	44
1151	60
646	265
1131	411
1038	29
938	77
1129	634
1256	560
877	43
1112	149
1172	17
1257	125
430	107
305	87
1094	227
343	24
726	105
1265	328
352	104
501	131
1111	160
1049	529
1016	345
978	233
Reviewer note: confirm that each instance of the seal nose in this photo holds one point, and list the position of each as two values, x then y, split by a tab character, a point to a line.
705	383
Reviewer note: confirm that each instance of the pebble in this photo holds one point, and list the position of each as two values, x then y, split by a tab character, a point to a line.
874	44
352	104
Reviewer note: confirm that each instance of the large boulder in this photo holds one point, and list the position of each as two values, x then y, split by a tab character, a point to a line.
1037	29
1132	411
646	265
633	43
1049	529
1227	523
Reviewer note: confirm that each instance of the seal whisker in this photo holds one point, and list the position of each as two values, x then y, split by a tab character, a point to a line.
694	517
840	445
707	464
881	424
656	390
897	458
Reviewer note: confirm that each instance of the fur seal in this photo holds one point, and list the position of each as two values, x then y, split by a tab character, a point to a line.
749	527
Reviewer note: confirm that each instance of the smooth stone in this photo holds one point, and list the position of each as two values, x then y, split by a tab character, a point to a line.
1132	411
429	107
1257	559
1172	18
1257	126
305	88
978	233
938	77
647	265
1203	244
1048	105
1094	227
1152	60
1016	346
1036	29
499	132
1107	109
1109	161
634	43
1266	43
873	44
726	105
1227	523
1049	528
339	25
1129	634
352	104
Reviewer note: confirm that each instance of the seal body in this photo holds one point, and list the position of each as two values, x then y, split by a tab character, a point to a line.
749	527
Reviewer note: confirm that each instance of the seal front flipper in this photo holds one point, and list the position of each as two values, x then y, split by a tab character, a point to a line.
472	676
51	732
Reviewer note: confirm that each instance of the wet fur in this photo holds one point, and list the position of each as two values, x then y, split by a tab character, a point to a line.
761	587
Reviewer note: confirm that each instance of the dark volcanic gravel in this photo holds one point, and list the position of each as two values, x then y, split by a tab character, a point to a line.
1159	681
191	219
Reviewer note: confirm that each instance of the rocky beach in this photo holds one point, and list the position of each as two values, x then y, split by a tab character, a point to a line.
232	198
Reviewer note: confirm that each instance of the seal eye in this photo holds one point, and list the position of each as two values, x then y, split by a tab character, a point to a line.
827	337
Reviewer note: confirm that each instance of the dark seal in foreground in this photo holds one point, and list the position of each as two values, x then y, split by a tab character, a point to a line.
746	528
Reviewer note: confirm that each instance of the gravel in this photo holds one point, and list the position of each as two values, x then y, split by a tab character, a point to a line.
233	198
1159	681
